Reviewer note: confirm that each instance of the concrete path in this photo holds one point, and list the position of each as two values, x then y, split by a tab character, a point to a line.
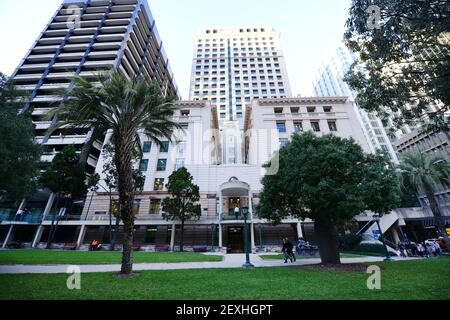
230	261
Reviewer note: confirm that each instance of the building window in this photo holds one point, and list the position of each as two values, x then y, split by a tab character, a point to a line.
159	184
136	206
332	125
182	147
311	109
150	235
184	126
164	146
143	166
162	164
281	126
179	164
147	147
298	127
315	126
326	109
283	142
155	206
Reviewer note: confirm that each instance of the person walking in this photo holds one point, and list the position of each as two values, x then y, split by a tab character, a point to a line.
287	251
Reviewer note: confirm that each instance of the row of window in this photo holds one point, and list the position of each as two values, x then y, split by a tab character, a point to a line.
236	55
298	126
237	79
234	39
295	110
239	92
238	85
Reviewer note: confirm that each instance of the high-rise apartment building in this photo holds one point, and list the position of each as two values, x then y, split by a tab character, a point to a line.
232	66
330	83
83	37
86	37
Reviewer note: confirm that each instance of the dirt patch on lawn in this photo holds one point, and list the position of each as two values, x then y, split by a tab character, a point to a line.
347	267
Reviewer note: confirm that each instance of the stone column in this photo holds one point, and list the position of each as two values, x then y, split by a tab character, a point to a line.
395	234
220	236
81	235
8	236
299	230
37	236
252	238
48	207
172	237
250	205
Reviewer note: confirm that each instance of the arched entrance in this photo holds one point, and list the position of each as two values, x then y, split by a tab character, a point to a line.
234	195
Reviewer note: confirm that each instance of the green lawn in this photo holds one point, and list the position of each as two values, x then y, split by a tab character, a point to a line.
96	257
413	279
281	256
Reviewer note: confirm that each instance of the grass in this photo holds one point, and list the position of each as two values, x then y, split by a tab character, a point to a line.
412	279
281	256
96	257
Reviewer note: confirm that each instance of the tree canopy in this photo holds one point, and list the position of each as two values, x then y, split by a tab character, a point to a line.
404	59
19	154
182	204
66	175
329	180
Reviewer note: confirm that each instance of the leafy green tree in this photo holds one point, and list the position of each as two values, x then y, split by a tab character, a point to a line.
329	180
183	201
66	178
127	107
404	48
426	173
19	154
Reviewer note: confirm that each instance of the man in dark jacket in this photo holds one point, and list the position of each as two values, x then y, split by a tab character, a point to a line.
287	250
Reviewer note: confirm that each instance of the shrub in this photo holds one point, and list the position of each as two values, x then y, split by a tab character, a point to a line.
371	248
349	241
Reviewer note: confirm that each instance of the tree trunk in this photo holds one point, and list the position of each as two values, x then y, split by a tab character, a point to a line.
434	206
326	235
123	161
181	235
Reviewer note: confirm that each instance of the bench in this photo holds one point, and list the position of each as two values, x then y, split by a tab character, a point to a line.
161	248
70	246
200	248
16	245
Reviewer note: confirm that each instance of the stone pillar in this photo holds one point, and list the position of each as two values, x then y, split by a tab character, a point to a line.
252	238
250	205
49	205
81	235
37	236
395	235
220	206
220	236
8	236
172	237
299	230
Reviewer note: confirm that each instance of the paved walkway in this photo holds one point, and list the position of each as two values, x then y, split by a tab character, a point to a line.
230	261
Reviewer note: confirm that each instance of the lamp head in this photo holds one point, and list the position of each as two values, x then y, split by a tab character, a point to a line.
376	217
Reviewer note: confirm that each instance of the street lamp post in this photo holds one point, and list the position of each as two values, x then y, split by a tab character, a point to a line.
247	263
376	218
111	240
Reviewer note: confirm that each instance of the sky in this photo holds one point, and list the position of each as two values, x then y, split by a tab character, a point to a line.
310	30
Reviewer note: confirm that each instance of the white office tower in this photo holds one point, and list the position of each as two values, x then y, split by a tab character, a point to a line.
330	83
232	66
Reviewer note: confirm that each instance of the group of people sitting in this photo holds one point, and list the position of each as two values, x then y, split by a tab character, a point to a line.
423	249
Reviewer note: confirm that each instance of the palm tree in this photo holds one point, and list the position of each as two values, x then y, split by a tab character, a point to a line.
126	108
426	173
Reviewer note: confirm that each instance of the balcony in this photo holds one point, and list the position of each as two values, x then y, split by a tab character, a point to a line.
27	218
